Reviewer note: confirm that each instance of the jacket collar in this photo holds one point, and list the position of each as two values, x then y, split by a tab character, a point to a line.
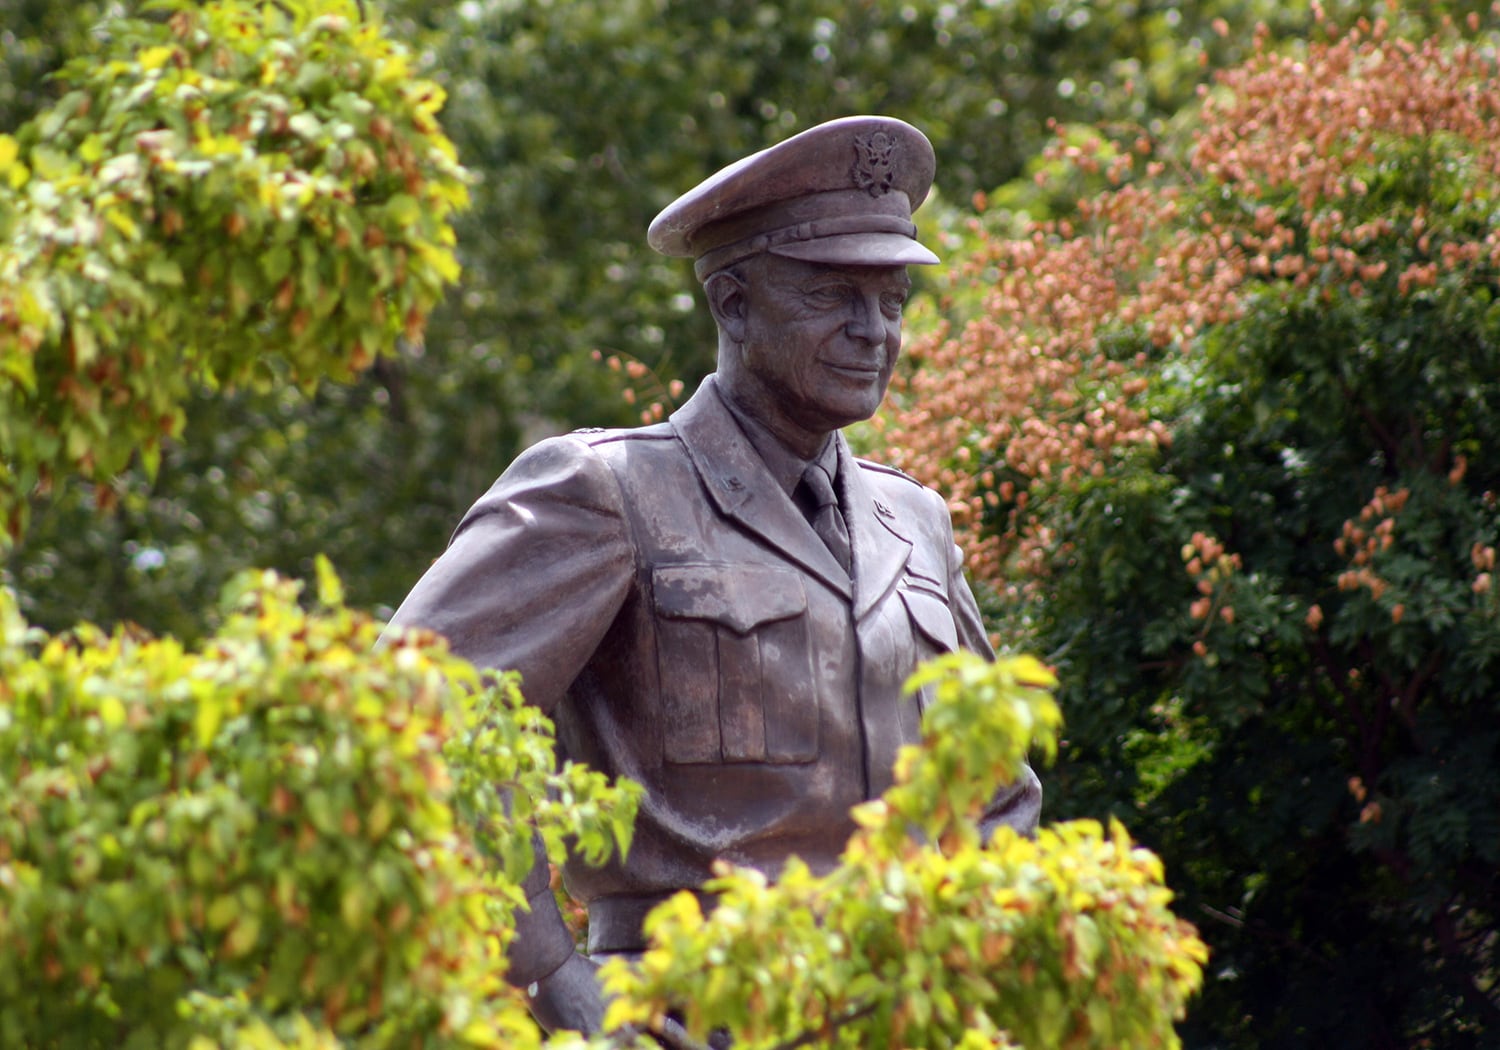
744	491
878	538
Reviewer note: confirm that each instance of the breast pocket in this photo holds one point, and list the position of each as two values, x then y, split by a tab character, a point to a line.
933	629
734	652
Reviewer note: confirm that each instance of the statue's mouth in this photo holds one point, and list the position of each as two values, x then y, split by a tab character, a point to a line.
860	371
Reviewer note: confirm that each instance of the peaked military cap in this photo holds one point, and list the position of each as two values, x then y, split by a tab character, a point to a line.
842	192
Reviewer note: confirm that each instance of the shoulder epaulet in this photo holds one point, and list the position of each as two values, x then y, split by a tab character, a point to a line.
601	435
882	468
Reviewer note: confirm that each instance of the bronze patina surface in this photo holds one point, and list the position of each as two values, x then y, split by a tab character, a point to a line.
723	607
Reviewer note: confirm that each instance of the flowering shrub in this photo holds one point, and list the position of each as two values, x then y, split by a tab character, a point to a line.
1220	442
1049	381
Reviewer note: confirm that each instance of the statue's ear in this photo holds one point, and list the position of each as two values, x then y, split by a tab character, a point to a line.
726	301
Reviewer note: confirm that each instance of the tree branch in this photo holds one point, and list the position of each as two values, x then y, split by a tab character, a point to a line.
1352	705
808	1038
1383	437
1413	690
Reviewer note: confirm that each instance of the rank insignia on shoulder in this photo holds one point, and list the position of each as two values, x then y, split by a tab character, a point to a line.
589	430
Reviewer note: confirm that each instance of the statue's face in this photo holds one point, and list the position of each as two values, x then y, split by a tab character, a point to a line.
819	342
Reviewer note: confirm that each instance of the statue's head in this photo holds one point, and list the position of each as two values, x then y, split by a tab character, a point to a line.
802	249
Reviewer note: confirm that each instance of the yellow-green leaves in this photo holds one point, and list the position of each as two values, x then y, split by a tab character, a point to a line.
285	837
923	937
12	171
235	182
980	723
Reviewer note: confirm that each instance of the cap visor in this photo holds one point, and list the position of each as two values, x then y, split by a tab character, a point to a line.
859	249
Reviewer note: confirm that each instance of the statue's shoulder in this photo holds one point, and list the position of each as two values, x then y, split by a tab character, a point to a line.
903	494
588	460
883	470
584	450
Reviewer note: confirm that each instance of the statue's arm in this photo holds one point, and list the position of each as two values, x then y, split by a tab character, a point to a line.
562	986
534	575
1017	805
536	571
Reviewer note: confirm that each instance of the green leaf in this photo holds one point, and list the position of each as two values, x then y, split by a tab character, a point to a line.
164	270
330	589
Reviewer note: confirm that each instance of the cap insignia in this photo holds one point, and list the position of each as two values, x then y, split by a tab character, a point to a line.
874	162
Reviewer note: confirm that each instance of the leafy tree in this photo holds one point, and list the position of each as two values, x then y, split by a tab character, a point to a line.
183	127
1219	442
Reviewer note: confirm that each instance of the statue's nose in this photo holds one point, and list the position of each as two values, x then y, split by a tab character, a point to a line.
866	323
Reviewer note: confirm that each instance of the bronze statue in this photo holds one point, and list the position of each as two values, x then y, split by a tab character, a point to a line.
723	607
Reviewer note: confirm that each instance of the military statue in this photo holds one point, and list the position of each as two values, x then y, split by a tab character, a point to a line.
723	607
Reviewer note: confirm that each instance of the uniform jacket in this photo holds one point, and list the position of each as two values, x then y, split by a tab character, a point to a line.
675	614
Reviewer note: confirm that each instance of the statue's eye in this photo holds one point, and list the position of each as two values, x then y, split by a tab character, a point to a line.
829	294
893	303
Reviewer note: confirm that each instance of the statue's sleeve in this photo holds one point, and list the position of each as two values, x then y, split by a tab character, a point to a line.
1018	805
532	579
536	571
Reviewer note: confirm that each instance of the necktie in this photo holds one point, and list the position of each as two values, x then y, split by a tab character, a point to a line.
816	491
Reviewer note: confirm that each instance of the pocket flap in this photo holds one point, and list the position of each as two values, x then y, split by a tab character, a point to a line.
738	596
932	616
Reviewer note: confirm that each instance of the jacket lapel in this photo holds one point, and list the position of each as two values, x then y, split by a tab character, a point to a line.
743	490
880	550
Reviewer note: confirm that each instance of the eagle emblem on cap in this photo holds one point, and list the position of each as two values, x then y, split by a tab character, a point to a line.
874	162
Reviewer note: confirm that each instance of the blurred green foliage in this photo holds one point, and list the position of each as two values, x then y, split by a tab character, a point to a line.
579	121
